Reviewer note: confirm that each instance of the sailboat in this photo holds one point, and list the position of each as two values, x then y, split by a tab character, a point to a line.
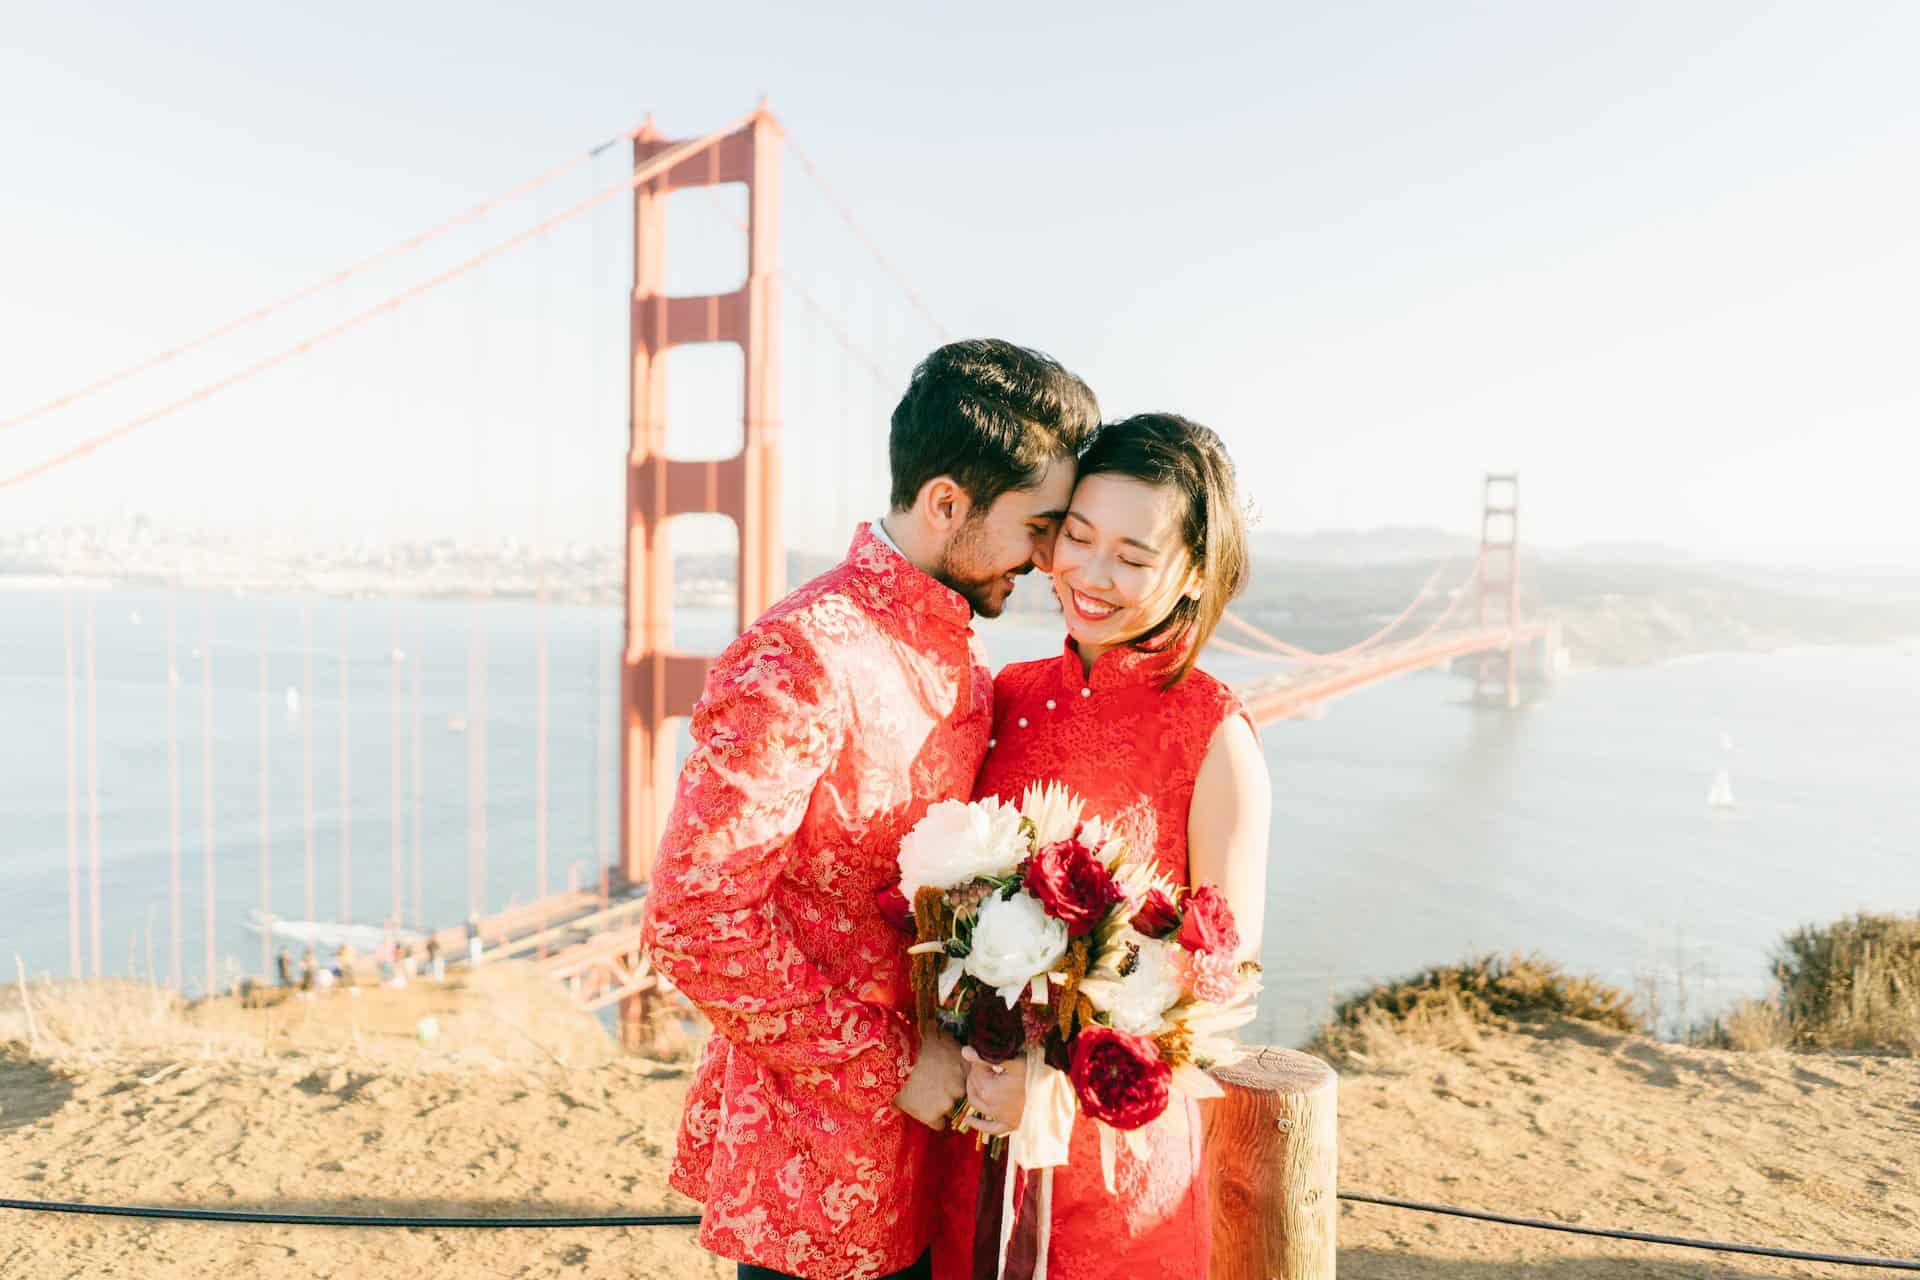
1720	795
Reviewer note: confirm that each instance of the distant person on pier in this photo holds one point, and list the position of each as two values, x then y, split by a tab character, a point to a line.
826	731
436	964
306	969
284	968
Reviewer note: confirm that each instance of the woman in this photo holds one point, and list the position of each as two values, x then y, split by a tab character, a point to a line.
1152	548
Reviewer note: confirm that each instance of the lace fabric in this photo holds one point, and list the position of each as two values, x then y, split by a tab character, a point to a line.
1132	751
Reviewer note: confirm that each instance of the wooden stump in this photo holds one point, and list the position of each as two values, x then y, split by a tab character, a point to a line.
1272	1163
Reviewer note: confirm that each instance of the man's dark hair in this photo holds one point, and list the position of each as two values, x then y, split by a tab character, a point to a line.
989	414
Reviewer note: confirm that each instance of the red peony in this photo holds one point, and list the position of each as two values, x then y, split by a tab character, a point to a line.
994	1031
1119	1078
1208	925
1157	916
1072	884
896	910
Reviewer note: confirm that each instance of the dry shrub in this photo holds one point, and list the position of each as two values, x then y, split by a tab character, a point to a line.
1376	1040
1445	1006
1853	984
102	1016
1751	1026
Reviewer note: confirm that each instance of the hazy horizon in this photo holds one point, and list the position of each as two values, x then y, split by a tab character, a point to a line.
1657	260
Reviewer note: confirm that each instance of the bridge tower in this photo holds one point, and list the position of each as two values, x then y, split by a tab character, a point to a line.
1499	583
659	685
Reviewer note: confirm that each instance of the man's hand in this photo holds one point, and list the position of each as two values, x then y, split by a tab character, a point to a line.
939	1080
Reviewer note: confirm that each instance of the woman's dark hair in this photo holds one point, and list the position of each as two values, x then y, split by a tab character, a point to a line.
1167	450
989	414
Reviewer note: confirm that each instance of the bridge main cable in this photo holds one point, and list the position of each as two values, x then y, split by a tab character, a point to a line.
1281	649
317	287
653	168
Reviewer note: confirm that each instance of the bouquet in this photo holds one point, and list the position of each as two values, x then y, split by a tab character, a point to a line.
1038	933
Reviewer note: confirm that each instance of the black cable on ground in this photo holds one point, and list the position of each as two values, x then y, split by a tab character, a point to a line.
1643	1237
693	1220
350	1220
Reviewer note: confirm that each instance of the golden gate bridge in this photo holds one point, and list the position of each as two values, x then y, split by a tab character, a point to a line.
585	936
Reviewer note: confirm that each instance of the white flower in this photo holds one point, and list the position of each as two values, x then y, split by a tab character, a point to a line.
1053	810
1014	940
1136	1001
956	842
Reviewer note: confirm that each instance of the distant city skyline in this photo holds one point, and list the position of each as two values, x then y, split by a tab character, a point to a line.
1657	259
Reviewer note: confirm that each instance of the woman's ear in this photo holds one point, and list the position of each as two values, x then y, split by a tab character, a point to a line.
1196	585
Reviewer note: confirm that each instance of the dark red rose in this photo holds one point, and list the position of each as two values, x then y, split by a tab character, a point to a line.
1208	925
1072	884
896	910
1119	1078
1157	916
994	1031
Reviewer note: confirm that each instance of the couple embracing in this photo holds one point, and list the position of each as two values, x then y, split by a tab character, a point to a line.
816	1132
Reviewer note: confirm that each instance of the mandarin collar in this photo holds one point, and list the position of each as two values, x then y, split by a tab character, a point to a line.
1125	666
895	582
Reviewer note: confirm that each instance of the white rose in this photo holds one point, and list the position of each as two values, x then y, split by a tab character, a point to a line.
1135	1003
1014	940
956	842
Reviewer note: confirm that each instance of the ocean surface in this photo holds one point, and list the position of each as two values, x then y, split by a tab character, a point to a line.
1409	829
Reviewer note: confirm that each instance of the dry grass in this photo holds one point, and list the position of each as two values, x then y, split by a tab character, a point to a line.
105	1016
1850	985
1446	1006
503	1013
1854	984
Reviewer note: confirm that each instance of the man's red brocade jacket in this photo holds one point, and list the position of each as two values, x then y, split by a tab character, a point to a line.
824	733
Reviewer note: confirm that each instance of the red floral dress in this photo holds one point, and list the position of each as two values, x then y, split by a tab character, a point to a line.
1132	751
824	733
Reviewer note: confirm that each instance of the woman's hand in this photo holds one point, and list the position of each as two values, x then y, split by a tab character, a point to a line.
998	1092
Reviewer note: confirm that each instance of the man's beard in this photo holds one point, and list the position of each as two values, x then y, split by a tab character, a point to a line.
961	570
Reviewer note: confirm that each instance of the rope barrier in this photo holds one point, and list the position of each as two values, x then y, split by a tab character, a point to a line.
1611	1233
350	1220
693	1220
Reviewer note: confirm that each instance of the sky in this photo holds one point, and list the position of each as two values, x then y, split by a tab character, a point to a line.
1658	259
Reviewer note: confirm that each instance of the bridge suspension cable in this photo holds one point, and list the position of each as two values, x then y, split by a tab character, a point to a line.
312	290
659	164
1279	648
867	241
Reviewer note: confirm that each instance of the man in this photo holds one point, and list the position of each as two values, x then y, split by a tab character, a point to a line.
824	733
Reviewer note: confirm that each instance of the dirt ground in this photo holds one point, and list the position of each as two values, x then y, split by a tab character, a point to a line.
521	1105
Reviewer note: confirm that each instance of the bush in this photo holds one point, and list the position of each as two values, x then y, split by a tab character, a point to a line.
1853	984
1446	1005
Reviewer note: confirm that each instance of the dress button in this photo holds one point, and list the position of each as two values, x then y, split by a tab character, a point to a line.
1086	692
1049	704
1023	722
992	743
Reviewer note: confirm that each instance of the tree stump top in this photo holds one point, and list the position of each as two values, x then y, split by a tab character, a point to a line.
1276	1070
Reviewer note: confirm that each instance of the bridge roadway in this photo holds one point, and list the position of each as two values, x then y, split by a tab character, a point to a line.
1301	693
